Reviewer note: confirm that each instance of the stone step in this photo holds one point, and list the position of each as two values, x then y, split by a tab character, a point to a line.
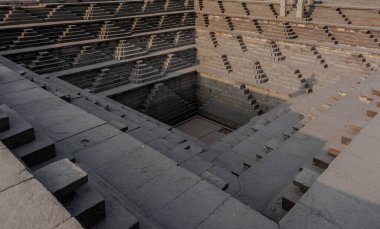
19	133
290	197
87	206
62	178
322	160
37	151
305	179
4	121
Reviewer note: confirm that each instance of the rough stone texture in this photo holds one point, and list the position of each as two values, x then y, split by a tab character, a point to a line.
234	214
192	207
61	178
12	171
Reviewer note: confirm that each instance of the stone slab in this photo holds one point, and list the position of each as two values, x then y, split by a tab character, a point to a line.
192	207
300	217
16	86
72	127
61	177
88	138
164	188
12	172
234	214
124	162
24	97
30	205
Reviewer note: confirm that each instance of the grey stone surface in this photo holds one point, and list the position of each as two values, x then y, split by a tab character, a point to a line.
72	223
30	205
305	179
88	138
215	180
300	217
163	189
20	131
61	178
234	214
12	172
87	206
37	151
192	207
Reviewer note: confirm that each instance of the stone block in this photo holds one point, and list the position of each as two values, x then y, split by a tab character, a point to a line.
61	178
20	131
37	151
4	121
87	206
305	179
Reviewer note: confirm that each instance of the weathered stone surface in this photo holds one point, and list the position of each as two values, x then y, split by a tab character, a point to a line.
300	217
192	207
12	172
163	189
305	179
234	214
30	205
61	178
87	206
88	138
72	223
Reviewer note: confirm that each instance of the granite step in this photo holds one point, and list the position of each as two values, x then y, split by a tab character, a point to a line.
87	206
62	178
19	133
4	121
36	152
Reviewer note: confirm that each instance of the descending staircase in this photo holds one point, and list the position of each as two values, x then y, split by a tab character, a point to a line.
236	104
89	55
126	50
275	51
226	63
106	79
164	105
245	8
319	57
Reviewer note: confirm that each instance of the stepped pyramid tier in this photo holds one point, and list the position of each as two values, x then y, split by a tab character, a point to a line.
232	107
46	62
110	30
126	50
157	42
106	79
143	72
89	55
94	12
74	33
131	8
18	15
166	106
30	38
60	13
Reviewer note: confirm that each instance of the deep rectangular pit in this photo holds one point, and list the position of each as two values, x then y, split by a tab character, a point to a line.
198	105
